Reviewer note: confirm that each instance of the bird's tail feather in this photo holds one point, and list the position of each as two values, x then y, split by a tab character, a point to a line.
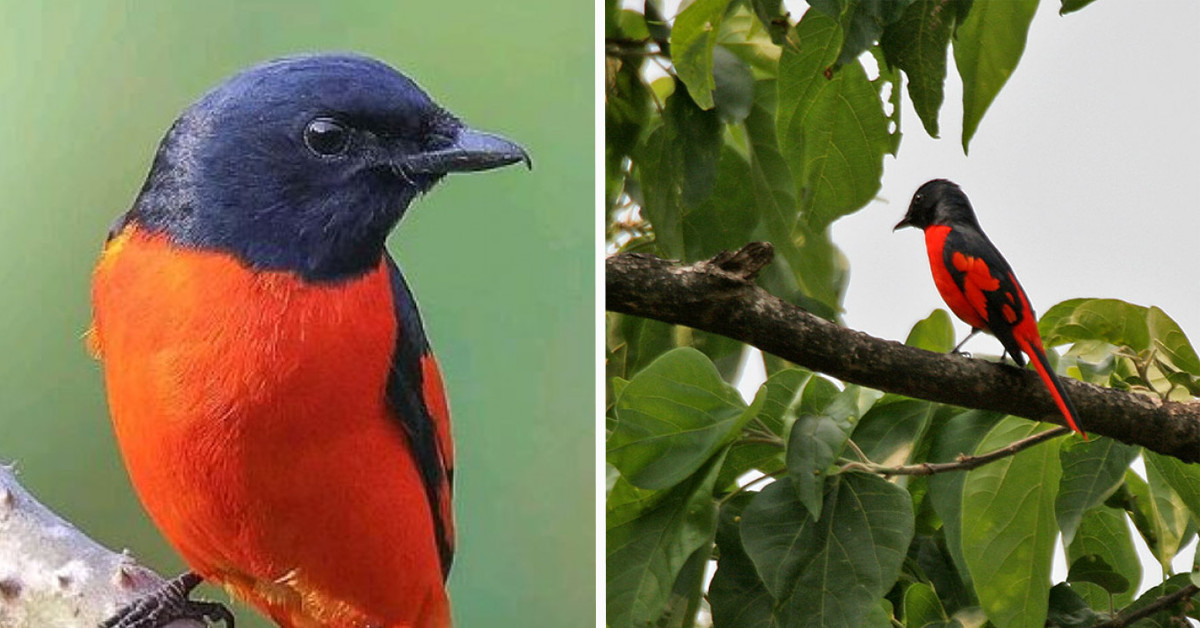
1035	351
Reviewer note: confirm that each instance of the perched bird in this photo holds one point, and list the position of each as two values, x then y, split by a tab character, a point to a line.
977	284
270	383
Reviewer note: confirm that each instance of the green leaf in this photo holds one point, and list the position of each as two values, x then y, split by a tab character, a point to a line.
736	594
1009	543
1094	569
773	16
933	333
1091	471
1183	478
734	93
636	342
1158	513
684	600
626	114
922	606
1068	610
987	47
863	22
1104	532
937	568
1171	341
1070	6
672	418
831	125
918	45
692	41
722	222
1110	320
817	438
959	436
785	397
815	270
677	168
889	431
829	572
645	554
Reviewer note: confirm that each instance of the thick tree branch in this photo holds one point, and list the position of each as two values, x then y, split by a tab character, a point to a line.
51	574
719	296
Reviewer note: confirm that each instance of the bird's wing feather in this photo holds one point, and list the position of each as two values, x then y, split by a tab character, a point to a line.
988	284
414	391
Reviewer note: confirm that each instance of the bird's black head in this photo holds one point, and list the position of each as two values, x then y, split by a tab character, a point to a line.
939	202
305	164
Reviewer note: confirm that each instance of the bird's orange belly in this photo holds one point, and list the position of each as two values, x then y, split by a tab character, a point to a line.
250	408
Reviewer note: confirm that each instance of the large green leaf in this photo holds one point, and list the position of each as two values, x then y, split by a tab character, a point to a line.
692	39
737	595
1169	514
1183	478
672	417
933	333
987	47
784	400
890	430
832	571
734	93
922	606
626	112
1008	526
957	437
831	125
723	221
677	169
1113	321
815	271
917	44
645	554
1091	471
817	438
863	22
1103	532
1169	338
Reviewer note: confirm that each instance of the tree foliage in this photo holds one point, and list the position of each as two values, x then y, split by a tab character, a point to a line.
762	126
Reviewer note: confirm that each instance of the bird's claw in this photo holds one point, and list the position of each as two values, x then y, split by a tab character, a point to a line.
169	603
961	354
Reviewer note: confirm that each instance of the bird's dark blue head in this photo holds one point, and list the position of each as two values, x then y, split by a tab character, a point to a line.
939	202
305	164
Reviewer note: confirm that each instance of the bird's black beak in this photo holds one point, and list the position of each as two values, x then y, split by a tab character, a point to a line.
902	224
471	151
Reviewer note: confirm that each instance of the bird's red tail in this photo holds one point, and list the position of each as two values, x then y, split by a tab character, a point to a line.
1038	356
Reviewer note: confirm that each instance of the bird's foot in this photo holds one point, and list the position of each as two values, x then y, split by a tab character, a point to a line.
169	603
961	354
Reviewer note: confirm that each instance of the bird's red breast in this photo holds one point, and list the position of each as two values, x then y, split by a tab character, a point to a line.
250	409
967	303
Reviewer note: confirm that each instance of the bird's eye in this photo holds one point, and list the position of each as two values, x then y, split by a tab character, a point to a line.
326	137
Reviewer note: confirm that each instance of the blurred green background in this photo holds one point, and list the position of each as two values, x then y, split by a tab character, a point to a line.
501	262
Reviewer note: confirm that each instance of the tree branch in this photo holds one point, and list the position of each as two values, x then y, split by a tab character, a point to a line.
963	463
1125	619
51	574
719	296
